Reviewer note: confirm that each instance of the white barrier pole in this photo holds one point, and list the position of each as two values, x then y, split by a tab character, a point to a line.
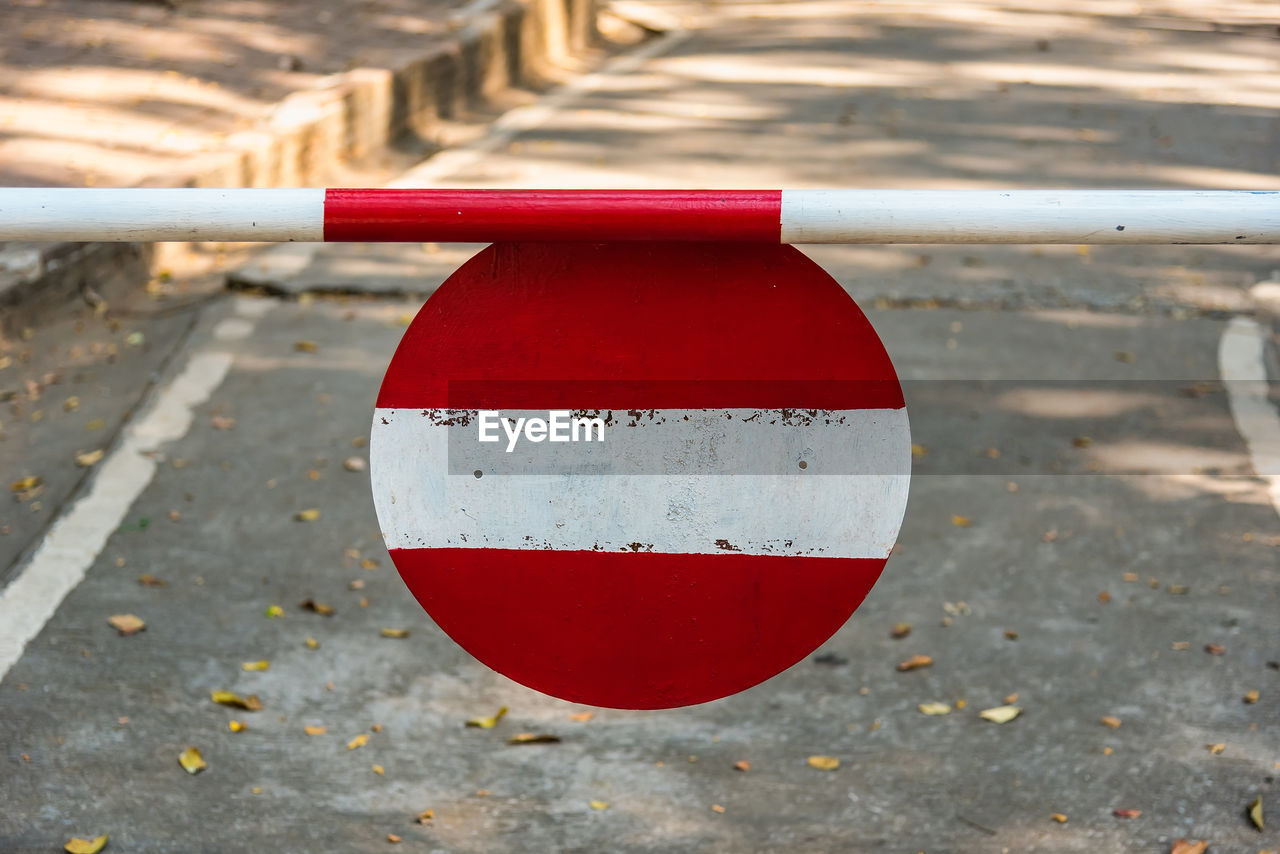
786	216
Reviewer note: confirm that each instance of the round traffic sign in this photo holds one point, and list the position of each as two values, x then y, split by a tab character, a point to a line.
640	475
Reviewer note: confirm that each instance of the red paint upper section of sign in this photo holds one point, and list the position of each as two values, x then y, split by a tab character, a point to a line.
489	215
640	326
635	630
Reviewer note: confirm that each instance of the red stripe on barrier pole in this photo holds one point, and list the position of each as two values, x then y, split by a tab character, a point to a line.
484	216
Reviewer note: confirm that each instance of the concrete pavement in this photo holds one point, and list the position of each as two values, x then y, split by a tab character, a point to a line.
1083	531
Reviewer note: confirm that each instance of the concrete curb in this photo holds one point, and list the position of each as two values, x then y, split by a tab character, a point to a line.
311	133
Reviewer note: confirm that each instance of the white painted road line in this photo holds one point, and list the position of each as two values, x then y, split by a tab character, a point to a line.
1240	363
78	536
521	119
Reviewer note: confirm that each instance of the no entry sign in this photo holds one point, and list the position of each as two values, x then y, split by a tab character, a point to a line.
640	475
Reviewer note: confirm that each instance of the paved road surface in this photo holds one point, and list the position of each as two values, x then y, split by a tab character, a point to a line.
1071	418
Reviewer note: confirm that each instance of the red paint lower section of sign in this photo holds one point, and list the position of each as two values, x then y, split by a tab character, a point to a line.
635	630
484	216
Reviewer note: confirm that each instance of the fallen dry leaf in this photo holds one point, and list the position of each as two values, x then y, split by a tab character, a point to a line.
1215	648
126	624
359	741
918	451
1179	589
1130	576
320	608
1000	714
191	760
223	422
1081	442
391	837
263	664
369	563
915	662
1104	597
961	521
1111	721
900	631
1215	749
304	346
26	483
717	808
379	770
1255	812
1251	696
425	816
581	717
355	584
824	763
395	633
1183	846
1060	818
1126	813
1010	634
309	515
531	738
934	708
1011	699
315	729
598	805
489	722
274	611
355	464
1179	646
237	726
76	845
228	698
742	765
89	458
148	580
312	643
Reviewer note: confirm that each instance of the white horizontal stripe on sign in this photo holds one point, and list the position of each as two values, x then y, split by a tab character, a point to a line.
162	214
1030	216
794	511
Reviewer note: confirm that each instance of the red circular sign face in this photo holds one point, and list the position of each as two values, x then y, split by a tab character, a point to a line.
640	475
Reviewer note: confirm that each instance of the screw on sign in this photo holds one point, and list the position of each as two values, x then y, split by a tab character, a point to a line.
640	475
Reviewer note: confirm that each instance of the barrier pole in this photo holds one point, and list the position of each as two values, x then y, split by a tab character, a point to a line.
773	216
